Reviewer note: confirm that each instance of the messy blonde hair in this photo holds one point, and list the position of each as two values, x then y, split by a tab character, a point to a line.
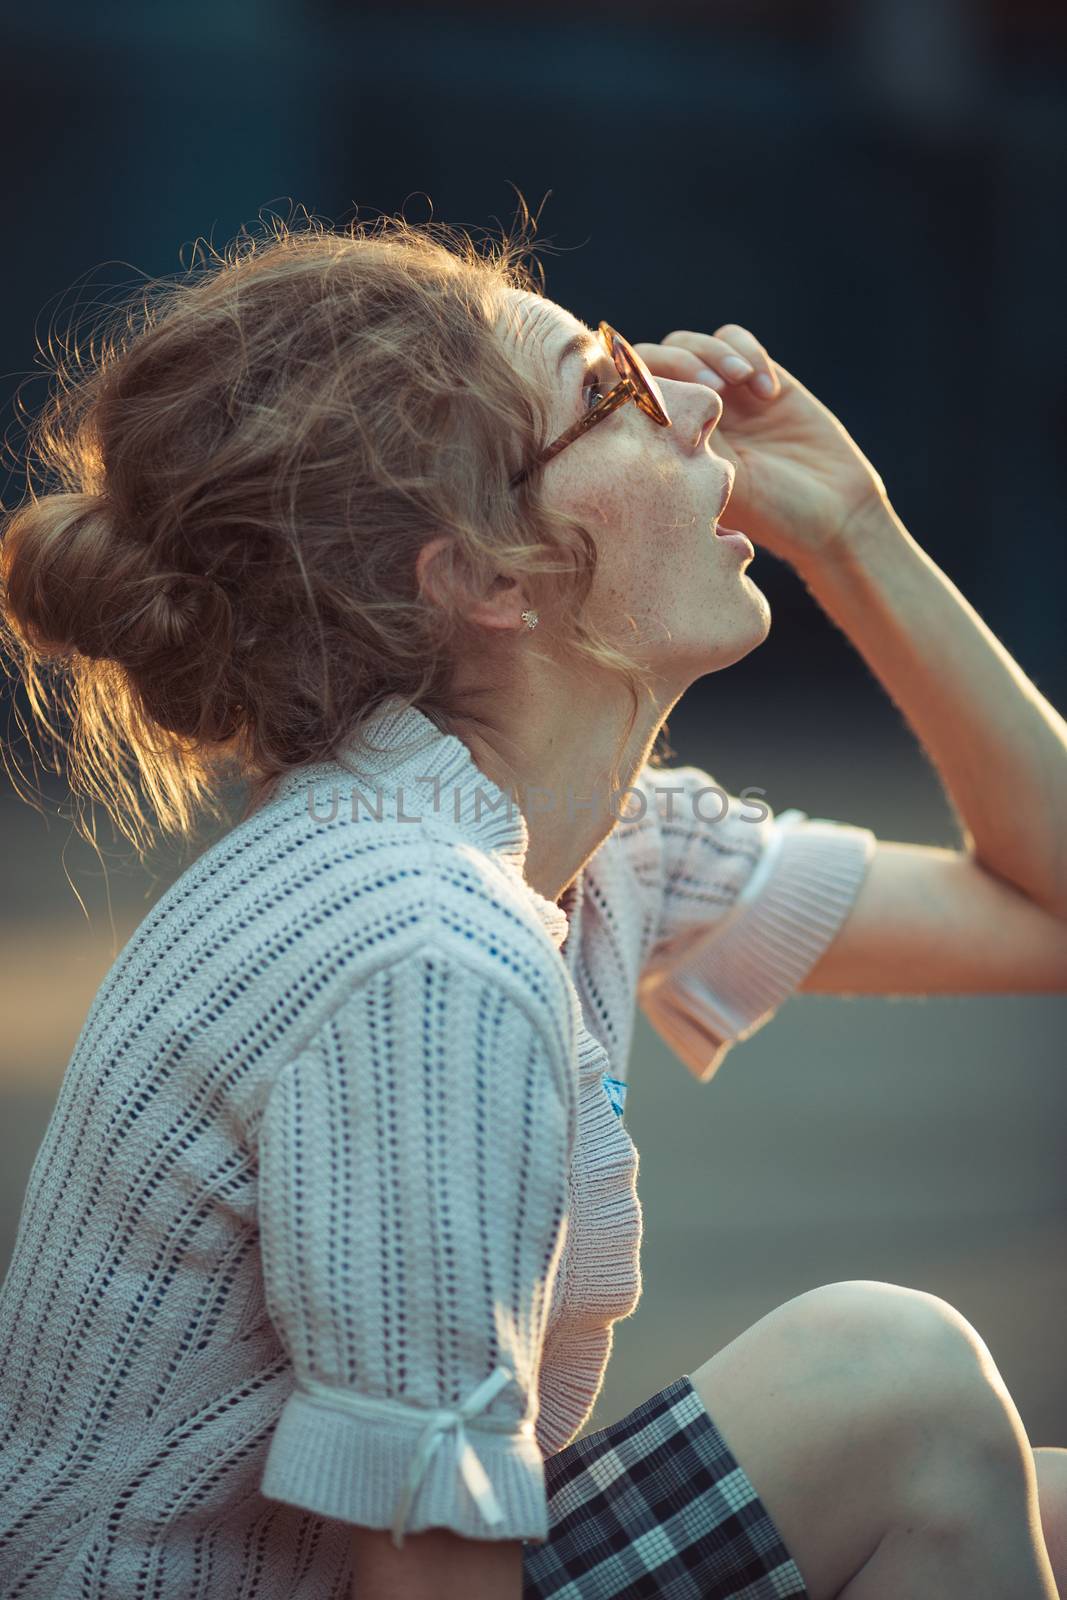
212	574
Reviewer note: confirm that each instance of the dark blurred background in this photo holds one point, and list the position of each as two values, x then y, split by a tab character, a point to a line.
876	190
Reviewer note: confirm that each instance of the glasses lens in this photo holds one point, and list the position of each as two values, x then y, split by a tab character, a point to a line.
648	394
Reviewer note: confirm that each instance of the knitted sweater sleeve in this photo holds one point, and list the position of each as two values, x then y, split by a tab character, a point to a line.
748	901
414	1166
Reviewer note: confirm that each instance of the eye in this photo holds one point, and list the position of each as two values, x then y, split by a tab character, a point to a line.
594	386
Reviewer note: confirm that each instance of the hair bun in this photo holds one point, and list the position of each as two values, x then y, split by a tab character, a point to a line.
74	583
56	569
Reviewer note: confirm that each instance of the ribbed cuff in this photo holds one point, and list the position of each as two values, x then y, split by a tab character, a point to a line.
354	1467
728	984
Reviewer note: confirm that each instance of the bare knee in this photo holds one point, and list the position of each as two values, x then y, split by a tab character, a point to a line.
866	1317
917	1350
929	1377
854	1407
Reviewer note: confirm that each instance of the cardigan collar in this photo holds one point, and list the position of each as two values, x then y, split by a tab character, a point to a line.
439	777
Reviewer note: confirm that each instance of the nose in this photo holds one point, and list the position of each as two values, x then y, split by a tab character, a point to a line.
713	408
694	409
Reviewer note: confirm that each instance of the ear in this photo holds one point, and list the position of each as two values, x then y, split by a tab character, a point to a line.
501	608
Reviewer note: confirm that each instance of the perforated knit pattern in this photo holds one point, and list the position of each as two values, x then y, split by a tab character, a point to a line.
339	1141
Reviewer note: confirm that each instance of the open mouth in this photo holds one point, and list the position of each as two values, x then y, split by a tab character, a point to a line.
742	540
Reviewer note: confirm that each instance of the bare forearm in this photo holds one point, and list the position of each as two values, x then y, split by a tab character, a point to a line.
999	747
436	1564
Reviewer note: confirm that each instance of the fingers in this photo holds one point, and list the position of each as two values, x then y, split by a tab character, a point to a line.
669	361
731	354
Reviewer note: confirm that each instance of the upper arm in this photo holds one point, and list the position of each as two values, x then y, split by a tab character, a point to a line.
436	1564
413	1191
750	914
928	920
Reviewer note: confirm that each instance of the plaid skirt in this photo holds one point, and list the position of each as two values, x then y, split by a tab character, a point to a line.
655	1505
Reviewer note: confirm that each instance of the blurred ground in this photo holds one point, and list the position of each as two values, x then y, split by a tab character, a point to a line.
917	1142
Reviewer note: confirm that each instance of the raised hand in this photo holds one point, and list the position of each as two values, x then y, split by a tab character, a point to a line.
801	476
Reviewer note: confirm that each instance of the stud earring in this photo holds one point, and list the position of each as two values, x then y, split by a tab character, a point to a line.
530	618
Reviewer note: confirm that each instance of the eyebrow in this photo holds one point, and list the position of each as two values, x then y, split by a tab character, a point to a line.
578	344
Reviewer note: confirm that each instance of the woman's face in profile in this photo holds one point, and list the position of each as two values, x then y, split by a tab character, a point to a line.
649	495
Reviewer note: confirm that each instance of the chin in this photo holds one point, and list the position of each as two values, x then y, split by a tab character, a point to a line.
762	621
741	642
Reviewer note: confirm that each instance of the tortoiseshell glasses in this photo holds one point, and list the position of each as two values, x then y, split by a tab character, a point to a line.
635	383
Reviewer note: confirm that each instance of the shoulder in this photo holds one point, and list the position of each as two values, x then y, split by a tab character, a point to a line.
688	797
372	885
671	811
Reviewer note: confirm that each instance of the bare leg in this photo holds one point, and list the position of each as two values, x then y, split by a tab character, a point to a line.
879	1434
1050	1463
982	1536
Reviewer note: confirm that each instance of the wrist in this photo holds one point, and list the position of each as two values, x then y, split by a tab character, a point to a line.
866	528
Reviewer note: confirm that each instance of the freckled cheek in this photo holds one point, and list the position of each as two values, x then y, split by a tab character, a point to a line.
601	507
620	509
632	566
626	513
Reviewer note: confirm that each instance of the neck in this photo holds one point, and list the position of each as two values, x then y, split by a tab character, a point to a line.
554	753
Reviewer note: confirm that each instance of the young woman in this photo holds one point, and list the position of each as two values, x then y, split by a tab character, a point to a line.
319	1261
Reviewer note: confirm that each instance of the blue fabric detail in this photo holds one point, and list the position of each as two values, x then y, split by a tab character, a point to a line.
616	1092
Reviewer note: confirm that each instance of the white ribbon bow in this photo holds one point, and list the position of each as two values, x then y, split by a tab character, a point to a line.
474	1473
